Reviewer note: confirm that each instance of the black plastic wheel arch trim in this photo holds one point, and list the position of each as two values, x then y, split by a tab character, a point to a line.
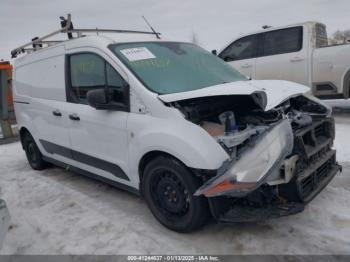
20	102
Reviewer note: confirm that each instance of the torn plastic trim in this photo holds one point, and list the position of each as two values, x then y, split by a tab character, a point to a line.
284	177
255	164
248	214
236	138
321	103
260	99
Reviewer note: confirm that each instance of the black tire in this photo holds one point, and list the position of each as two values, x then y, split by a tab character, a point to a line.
34	156
168	188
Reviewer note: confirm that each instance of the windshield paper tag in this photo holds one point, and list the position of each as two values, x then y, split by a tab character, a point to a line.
138	53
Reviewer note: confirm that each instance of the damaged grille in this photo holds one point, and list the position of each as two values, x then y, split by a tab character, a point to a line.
322	130
312	181
318	163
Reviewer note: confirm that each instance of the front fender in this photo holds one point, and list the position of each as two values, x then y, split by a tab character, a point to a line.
178	137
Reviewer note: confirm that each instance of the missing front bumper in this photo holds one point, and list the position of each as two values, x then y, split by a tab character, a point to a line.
315	168
226	212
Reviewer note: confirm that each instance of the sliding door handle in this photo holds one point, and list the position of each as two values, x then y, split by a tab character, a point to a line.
297	59
56	112
74	117
247	66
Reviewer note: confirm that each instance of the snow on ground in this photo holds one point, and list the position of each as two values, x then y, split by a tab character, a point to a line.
58	212
342	136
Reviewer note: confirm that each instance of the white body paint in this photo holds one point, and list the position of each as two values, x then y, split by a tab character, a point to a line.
121	138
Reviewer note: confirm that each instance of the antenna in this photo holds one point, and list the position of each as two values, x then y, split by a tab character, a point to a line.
154	31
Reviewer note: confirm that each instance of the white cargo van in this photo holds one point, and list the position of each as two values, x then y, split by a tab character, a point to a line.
173	123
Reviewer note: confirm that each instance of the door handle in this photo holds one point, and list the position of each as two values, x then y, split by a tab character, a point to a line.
56	112
296	59
246	66
74	117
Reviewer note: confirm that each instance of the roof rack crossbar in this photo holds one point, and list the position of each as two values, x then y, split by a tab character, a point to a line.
50	41
68	28
18	50
98	30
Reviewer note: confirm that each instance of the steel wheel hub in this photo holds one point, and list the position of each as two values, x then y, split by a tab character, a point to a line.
171	195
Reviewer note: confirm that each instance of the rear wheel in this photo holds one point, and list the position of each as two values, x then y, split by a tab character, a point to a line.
168	188
33	153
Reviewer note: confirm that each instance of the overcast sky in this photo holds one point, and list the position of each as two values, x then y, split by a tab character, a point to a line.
214	22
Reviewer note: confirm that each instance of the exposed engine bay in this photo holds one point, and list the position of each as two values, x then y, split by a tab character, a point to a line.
234	120
279	159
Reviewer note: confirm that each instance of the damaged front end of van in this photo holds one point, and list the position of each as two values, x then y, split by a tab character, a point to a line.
280	151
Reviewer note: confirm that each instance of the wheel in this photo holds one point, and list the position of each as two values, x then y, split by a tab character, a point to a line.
33	153
168	187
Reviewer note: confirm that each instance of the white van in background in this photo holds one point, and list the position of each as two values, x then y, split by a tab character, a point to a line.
173	123
298	53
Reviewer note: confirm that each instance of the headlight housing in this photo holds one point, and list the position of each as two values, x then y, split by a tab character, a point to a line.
254	165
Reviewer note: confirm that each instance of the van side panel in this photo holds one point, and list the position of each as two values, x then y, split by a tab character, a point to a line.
40	99
42	78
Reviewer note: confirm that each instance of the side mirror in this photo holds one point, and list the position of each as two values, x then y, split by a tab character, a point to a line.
100	100
214	52
97	98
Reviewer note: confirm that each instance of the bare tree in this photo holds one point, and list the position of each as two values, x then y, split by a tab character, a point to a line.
340	37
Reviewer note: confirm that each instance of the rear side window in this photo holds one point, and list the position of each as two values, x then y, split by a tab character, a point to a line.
244	48
321	36
283	41
88	72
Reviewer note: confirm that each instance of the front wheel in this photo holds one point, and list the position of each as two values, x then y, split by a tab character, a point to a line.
168	188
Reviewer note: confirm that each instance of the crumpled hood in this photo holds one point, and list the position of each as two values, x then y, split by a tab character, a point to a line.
270	92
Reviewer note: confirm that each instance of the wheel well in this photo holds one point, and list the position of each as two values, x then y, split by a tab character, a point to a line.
346	85
199	173
148	157
22	132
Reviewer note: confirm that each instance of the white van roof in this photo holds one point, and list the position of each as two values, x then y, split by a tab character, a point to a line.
107	39
95	41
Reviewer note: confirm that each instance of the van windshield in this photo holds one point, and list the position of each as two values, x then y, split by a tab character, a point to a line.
172	67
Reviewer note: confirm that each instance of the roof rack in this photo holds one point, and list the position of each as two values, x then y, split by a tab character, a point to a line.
67	28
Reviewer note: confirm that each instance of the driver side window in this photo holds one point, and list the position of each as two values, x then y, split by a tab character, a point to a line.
244	48
89	71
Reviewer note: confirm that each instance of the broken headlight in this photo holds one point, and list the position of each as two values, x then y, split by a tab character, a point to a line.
259	159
